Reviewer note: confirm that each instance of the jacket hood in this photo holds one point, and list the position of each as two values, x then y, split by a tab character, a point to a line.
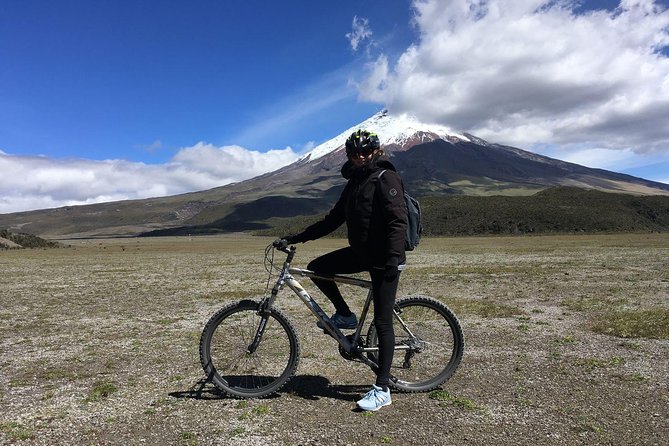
349	170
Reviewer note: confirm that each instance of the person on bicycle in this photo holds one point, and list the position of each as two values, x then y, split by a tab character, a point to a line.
372	205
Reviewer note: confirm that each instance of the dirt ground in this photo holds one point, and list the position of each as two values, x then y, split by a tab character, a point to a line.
99	345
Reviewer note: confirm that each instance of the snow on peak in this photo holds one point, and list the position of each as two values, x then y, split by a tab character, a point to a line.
391	129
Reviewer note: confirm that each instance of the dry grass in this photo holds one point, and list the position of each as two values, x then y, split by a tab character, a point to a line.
99	345
643	323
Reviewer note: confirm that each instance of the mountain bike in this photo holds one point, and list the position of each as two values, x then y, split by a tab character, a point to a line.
250	349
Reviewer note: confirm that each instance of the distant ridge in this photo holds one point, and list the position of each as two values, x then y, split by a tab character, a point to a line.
557	210
554	210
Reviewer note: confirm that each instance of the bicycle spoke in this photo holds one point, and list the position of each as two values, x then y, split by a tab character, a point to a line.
434	340
224	348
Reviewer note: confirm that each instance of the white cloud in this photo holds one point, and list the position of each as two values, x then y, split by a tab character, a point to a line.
651	166
33	182
533	71
308	147
601	158
360	32
232	163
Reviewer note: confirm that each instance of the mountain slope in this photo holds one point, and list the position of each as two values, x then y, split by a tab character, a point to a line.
485	168
433	160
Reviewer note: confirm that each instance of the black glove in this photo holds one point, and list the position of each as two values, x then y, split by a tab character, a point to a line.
391	271
293	239
280	243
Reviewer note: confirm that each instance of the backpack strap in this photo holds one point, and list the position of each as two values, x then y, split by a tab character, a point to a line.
378	177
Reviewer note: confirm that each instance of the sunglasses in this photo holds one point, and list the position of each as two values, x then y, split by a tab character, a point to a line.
363	153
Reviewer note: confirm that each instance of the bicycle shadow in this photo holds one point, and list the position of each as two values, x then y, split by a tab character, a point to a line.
313	387
308	387
201	390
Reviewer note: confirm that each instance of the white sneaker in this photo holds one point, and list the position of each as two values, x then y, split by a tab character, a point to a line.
375	399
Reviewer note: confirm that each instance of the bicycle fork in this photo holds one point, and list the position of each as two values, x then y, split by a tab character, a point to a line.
264	310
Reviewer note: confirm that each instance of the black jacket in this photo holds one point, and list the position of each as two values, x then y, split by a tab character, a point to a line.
374	211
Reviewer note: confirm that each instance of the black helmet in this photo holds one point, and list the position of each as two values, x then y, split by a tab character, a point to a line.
361	141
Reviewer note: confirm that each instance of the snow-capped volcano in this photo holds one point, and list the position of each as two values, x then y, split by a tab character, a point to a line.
392	130
433	160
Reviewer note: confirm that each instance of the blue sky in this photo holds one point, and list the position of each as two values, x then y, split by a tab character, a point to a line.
108	78
145	98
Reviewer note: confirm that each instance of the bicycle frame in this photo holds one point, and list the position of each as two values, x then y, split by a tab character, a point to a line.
309	301
349	344
428	358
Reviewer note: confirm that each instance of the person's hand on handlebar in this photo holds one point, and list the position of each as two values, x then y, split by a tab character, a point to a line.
280	243
294	239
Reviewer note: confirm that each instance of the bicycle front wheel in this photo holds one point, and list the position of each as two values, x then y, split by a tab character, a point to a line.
428	344
225	355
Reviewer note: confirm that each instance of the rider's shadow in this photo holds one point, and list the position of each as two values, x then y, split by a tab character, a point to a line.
312	387
309	387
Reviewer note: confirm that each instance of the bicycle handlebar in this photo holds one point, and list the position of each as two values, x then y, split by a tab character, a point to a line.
282	245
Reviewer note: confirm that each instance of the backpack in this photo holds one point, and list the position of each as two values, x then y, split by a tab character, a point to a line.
414	226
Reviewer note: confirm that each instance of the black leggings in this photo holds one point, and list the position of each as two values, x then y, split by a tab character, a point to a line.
346	261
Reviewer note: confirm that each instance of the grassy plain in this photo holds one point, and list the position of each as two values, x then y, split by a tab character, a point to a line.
566	343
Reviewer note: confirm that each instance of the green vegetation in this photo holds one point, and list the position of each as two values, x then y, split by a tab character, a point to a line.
26	240
263	409
243	404
636	377
464	403
484	308
644	323
257	411
568	339
187	439
16	431
554	210
585	303
597	363
236	432
100	391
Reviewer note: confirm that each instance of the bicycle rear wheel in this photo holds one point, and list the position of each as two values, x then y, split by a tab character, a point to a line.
434	339
231	367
